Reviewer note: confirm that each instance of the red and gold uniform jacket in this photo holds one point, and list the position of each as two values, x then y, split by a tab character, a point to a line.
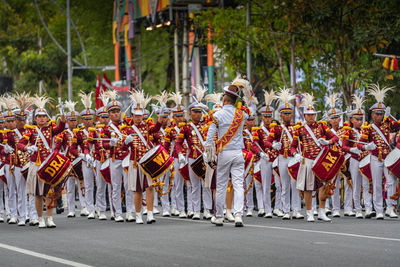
260	136
31	137
349	135
187	132
308	147
278	134
369	134
170	141
18	158
119	150
65	143
99	152
338	145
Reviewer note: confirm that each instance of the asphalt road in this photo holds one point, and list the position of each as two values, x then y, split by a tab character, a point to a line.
183	242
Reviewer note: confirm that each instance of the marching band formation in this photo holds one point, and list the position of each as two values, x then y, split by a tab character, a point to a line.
211	164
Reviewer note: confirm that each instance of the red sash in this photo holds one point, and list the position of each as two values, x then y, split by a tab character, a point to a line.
232	130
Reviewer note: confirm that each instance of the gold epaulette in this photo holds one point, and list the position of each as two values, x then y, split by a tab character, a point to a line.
6	131
181	124
255	129
323	122
51	122
76	130
180	135
296	127
122	127
167	130
28	126
100	126
347	128
366	126
92	129
273	124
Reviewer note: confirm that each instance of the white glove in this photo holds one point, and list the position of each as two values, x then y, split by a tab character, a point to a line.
370	146
128	139
113	141
298	157
277	145
89	159
32	149
8	149
323	142
182	159
264	156
355	150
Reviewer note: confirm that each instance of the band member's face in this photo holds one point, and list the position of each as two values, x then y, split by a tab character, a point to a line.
335	122
104	121
72	124
250	123
20	124
137	119
310	118
286	117
1	125
88	122
115	115
164	122
195	115
41	120
377	117
11	124
266	120
179	119
356	122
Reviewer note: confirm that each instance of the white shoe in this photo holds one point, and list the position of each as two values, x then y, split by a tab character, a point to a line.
84	212
249	213
316	212
286	216
119	218
102	216
268	215
390	212
13	220
34	222
349	213
166	214
112	217
190	214
238	220
207	215
71	214
174	212
328	211
336	214
150	218
21	223
368	213
156	210
379	216
217	221
1	219
278	212
42	223
50	222
359	215
196	216
139	218
91	215
144	210
261	213
297	215
310	216
182	214
129	217
229	216
322	215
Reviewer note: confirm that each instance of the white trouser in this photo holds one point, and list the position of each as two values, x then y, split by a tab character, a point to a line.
88	176
207	196
286	182
336	195
249	196
178	187
196	188
348	196
109	189
259	195
117	174
278	191
3	187
189	197
31	209
230	162
296	199
266	176
377	171
17	192
166	178
101	186
358	180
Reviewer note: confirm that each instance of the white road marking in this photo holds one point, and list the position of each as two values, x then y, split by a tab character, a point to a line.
43	256
295	229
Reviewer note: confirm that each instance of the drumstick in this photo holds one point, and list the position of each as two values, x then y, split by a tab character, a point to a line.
358	142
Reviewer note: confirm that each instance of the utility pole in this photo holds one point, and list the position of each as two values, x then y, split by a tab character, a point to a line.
69	52
176	59
185	77
248	48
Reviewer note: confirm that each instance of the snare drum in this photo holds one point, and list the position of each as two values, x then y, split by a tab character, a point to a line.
392	162
327	164
156	162
365	167
55	169
293	168
77	167
105	171
199	168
